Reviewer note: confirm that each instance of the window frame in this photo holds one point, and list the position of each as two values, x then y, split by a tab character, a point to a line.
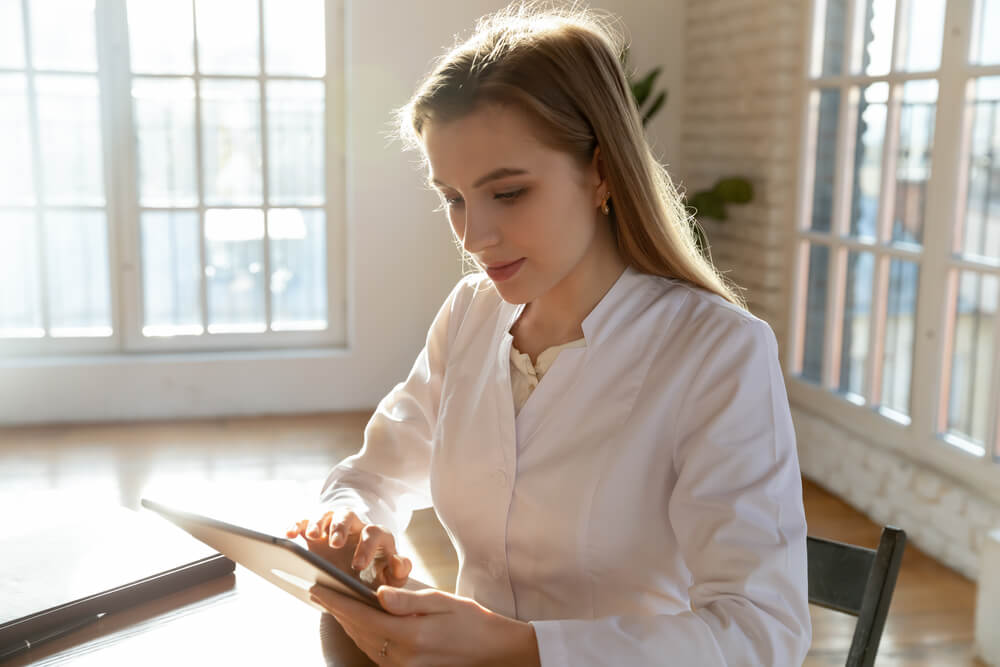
122	205
920	439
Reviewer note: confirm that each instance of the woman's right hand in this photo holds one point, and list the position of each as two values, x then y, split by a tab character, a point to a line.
340	534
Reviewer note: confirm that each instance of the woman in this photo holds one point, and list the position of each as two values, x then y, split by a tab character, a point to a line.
600	425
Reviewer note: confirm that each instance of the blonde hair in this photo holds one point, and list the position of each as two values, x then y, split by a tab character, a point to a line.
561	65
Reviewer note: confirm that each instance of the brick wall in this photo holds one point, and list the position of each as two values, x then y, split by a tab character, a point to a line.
741	102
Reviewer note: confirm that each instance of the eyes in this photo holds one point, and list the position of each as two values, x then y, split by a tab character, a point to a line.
504	197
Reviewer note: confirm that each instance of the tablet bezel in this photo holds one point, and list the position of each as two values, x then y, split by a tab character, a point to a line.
343	582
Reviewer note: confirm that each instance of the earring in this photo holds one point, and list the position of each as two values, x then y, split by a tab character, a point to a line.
604	205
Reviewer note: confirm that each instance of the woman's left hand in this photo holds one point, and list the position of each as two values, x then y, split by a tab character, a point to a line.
430	627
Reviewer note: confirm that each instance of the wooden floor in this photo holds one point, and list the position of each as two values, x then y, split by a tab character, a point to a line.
930	622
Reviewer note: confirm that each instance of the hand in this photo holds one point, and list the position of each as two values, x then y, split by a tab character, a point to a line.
430	627
367	545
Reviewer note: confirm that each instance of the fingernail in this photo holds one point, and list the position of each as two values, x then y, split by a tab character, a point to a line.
390	596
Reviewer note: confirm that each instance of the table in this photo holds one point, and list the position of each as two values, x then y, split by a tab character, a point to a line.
238	619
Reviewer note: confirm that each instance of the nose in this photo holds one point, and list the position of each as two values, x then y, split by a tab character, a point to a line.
479	233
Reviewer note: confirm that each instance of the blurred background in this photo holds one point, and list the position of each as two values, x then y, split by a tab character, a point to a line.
203	217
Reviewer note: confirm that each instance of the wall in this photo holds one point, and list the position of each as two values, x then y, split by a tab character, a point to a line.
741	116
401	259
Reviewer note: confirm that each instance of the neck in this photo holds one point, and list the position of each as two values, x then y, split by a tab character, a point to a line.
559	313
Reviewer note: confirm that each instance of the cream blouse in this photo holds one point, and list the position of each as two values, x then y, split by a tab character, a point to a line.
525	376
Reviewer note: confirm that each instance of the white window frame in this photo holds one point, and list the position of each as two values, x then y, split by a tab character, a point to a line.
119	164
920	439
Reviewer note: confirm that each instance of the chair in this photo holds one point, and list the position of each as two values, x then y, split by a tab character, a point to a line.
859	582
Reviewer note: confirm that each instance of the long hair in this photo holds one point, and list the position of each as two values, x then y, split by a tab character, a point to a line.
562	67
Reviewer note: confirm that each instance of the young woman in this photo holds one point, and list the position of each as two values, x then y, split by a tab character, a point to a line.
599	424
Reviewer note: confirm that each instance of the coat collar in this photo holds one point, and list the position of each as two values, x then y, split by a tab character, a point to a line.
605	316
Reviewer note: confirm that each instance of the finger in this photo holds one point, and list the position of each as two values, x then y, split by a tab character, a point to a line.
396	571
343	524
319	529
402	602
373	538
356	612
401	566
299	528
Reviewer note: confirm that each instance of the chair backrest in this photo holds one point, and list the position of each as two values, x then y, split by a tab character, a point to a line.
857	581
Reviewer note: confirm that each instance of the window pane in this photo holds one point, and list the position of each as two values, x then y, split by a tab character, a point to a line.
62	35
77	267
228	41
16	182
20	305
913	159
235	270
827	106
867	180
815	324
295	142
161	37
830	34
11	34
897	359
857	320
231	142
922	27
985	45
70	135
171	273
875	25
982	210
164	126
969	404
293	37
298	268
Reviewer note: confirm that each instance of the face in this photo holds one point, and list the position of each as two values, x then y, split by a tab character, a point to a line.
509	198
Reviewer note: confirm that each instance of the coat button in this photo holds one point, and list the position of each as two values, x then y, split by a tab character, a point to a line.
496	569
501	477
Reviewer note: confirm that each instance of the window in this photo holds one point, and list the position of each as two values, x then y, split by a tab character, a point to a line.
898	232
169	175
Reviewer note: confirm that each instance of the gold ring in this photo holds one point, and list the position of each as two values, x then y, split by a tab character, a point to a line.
384	650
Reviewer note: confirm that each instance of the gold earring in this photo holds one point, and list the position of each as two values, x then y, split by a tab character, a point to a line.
604	205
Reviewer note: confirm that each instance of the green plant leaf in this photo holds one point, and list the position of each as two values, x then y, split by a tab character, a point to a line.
735	190
654	107
642	88
707	205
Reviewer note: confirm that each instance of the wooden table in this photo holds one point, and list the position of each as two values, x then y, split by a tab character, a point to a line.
239	619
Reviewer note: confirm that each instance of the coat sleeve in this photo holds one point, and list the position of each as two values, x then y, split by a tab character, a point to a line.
389	478
737	514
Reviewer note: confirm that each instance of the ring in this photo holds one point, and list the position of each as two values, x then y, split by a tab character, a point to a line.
384	650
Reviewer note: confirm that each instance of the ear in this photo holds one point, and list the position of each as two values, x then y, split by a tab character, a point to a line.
597	175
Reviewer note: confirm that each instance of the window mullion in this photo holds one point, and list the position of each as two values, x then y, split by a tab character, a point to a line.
836	275
335	166
931	353
37	174
200	180
116	131
265	166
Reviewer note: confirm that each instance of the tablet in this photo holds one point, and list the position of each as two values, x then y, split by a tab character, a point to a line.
286	564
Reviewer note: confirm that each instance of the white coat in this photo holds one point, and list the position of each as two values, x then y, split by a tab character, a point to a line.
645	506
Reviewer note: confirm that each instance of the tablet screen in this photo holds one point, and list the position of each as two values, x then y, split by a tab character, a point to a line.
285	563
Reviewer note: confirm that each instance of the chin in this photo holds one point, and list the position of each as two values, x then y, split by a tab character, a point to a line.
511	292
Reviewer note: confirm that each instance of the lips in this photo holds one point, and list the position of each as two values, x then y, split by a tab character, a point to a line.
494	267
501	272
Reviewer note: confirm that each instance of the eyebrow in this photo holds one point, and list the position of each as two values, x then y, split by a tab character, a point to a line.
496	174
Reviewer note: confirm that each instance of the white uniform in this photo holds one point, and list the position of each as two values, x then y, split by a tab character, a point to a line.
645	505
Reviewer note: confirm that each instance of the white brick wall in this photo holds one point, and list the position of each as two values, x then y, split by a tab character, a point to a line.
740	102
740	118
939	515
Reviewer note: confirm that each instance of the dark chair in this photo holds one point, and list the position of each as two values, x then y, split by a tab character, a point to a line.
859	582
